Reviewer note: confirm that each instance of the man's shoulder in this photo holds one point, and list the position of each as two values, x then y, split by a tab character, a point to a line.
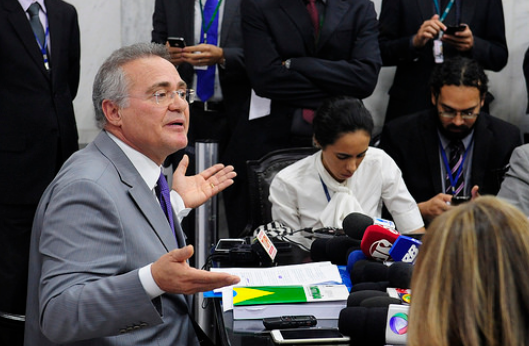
499	126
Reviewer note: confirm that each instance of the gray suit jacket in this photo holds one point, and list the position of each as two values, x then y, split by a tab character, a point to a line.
96	225
515	187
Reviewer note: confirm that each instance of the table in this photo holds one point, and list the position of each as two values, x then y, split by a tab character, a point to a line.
252	332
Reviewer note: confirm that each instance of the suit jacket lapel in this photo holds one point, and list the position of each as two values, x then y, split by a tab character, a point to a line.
482	140
55	25
334	12
297	12
426	7
21	27
467	10
231	7
143	198
431	144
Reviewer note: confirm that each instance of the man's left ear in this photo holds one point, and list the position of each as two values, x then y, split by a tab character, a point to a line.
111	111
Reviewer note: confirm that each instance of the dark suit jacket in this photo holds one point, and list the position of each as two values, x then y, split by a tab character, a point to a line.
399	22
36	111
84	287
177	17
412	141
345	60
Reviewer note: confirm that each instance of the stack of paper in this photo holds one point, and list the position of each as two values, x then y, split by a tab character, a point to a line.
322	274
322	301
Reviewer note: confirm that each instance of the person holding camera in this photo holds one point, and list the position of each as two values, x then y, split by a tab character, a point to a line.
450	151
417	35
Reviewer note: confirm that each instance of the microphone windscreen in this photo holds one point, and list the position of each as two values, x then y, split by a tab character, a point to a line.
337	249
405	249
353	257
355	224
366	325
356	298
399	274
382	302
376	286
365	271
377	242
318	249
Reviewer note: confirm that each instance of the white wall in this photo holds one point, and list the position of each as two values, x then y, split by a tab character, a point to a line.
109	24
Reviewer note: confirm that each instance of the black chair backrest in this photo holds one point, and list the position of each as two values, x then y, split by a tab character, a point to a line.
260	175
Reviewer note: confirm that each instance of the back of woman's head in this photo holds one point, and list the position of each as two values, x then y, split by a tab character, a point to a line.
470	285
338	116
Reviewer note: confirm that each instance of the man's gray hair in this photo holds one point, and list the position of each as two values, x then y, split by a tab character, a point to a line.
112	84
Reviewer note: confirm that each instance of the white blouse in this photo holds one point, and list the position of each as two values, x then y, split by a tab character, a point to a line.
298	197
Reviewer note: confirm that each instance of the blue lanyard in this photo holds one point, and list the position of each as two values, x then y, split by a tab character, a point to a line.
326	190
447	165
447	9
43	49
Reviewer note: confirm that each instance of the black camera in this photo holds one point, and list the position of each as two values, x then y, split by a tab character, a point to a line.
457	200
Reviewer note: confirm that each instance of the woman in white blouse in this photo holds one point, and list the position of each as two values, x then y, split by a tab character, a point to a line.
345	176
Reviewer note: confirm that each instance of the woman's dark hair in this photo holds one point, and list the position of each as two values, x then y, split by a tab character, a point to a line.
459	71
338	116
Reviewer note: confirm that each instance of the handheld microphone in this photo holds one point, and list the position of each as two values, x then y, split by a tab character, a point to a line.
318	249
375	326
375	286
336	249
382	301
396	275
405	249
355	224
399	275
377	242
366	270
356	298
353	257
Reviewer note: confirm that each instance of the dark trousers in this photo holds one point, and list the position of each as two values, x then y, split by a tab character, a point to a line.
15	233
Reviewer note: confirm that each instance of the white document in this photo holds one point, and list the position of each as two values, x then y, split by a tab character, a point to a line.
296	274
259	106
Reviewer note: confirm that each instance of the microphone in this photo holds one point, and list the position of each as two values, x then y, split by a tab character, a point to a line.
339	247
375	286
356	298
377	242
405	249
318	249
355	224
375	326
399	275
353	257
375	302
366	270
396	275
334	249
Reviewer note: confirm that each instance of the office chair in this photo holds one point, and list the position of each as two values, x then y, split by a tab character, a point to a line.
260	175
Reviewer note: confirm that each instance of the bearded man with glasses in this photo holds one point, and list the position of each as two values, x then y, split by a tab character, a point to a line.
452	151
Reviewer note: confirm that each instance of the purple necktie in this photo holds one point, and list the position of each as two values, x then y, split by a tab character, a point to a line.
314	17
162	191
456	149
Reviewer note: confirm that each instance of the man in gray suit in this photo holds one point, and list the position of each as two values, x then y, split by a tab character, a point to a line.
105	265
515	187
